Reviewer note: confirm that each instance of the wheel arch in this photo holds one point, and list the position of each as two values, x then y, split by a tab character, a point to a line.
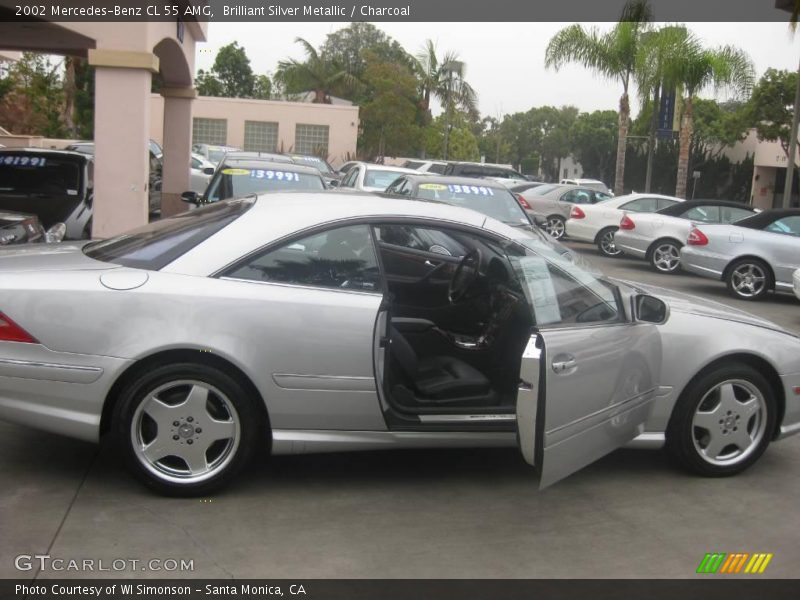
667	238
758	363
727	270
599	234
173	356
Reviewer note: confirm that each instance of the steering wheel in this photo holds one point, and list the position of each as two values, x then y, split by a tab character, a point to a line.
464	276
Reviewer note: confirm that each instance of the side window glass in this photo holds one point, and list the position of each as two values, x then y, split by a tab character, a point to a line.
342	258
640	205
705	214
731	215
664	203
600	196
786	225
423	239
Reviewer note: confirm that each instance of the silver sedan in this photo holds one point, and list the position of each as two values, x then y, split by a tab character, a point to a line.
753	256
313	322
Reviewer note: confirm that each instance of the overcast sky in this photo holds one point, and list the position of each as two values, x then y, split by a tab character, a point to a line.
505	61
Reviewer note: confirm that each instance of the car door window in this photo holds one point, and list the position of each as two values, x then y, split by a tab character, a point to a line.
398	187
731	215
600	197
664	203
786	225
641	205
341	258
578	196
704	214
423	239
350	180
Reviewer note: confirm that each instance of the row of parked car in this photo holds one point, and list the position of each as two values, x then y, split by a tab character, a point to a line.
753	252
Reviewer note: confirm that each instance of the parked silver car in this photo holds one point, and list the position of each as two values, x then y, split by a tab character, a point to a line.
369	177
658	237
550	205
316	322
752	256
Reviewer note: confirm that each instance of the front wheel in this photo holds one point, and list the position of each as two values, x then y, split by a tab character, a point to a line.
749	279
606	244
723	422
556	226
186	429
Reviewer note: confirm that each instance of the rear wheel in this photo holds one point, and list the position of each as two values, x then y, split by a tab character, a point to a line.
665	257
749	279
186	429
723	422
606	244
556	226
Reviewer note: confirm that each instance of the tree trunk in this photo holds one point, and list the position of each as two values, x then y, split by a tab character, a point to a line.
683	153
319	96
69	94
651	140
622	142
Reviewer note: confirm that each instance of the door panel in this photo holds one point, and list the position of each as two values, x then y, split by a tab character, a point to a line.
595	392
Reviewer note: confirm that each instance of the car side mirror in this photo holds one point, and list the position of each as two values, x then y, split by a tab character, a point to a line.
649	309
191	197
208	171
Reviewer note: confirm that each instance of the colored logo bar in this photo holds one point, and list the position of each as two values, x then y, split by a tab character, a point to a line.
733	563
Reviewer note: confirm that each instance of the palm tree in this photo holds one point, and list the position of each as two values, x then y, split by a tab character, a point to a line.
612	55
443	79
315	74
657	66
701	68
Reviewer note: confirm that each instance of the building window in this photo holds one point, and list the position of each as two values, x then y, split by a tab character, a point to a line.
260	136
311	139
209	131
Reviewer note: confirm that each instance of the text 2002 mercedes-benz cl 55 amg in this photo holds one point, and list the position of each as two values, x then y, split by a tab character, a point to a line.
313	322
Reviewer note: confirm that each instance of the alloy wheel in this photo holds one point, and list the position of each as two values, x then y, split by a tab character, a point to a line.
555	227
729	423
607	244
748	280
666	257
185	431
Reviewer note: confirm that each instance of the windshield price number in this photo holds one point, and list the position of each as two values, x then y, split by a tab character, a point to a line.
471	189
279	175
23	161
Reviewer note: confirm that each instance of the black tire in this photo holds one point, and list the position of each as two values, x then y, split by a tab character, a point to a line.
761	279
664	256
685	439
604	246
556	227
221	388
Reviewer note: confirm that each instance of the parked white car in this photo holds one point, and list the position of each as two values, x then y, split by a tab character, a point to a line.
594	184
213	153
597	223
368	177
200	172
658	237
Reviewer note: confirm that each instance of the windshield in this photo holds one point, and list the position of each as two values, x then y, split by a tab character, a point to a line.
377	178
233	182
494	202
39	175
313	161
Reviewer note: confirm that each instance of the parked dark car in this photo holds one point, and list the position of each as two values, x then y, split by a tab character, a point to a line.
329	174
54	185
482	171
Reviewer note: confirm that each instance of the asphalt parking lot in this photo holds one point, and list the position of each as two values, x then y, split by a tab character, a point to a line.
417	514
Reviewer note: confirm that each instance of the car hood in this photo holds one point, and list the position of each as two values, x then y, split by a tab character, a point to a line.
49	257
686	303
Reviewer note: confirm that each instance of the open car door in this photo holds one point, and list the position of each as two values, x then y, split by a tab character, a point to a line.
589	373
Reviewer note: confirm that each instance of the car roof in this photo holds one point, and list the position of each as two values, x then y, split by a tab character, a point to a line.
764	218
274	156
455	180
682	207
277	215
255	162
391	168
52	151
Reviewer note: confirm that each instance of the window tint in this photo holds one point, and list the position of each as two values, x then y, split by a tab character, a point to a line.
786	225
341	258
731	215
705	214
420	238
156	245
640	205
664	203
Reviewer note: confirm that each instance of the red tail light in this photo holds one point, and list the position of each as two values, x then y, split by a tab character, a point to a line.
11	332
696	237
522	202
627	223
577	213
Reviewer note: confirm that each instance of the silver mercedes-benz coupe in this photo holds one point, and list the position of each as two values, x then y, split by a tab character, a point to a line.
316	322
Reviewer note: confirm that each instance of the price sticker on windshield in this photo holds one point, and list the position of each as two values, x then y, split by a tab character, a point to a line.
23	161
477	190
279	175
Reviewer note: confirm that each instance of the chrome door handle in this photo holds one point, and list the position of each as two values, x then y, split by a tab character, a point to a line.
563	365
429	264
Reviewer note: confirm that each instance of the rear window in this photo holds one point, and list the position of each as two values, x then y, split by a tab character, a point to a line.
39	174
156	245
234	182
314	161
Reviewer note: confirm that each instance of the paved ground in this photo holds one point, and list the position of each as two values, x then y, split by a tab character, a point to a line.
409	514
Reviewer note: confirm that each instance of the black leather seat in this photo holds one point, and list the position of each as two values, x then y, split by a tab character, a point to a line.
439	378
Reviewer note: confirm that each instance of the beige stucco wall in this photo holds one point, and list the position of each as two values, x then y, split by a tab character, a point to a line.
341	120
